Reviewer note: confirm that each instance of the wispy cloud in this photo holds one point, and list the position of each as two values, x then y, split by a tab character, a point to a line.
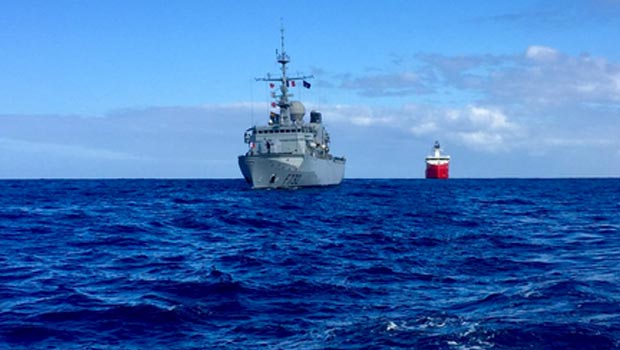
540	75
388	84
583	142
537	15
68	151
558	13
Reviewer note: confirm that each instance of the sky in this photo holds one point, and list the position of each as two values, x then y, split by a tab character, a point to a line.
160	89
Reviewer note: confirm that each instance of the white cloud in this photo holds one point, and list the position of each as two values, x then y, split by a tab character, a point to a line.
482	140
541	53
453	114
564	81
358	115
542	76
483	128
424	128
487	129
369	121
489	118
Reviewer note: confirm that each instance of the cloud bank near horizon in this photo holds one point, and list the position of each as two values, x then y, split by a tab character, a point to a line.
538	107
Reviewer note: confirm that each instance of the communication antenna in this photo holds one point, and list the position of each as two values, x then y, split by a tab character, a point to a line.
283	99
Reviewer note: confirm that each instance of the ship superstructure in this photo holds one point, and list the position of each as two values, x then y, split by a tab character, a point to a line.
437	165
289	152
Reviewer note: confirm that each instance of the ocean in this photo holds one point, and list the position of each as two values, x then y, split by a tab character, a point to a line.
369	264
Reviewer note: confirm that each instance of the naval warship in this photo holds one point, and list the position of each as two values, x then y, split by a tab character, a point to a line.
289	152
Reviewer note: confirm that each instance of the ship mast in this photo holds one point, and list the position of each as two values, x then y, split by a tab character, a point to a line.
283	102
283	58
437	149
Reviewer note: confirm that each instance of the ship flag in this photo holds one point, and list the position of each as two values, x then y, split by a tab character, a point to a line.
306	84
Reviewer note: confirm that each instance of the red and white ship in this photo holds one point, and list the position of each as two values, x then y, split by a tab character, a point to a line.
437	165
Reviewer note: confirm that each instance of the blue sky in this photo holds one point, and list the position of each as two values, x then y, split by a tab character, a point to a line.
166	89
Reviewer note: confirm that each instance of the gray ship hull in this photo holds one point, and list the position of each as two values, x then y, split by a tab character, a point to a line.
290	171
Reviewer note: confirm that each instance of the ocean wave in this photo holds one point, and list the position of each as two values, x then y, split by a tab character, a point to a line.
195	264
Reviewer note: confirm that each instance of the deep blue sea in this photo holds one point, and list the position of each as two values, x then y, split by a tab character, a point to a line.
370	264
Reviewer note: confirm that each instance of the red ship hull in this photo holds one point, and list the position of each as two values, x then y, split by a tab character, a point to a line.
440	171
